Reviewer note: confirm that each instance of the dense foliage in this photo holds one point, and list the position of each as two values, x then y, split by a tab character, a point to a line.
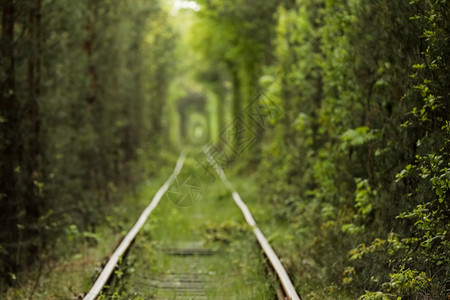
350	139
358	164
82	86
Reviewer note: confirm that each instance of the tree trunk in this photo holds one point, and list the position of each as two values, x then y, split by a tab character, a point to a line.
9	137
236	140
32	147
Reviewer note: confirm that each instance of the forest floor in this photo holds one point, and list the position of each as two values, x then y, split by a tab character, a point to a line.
69	270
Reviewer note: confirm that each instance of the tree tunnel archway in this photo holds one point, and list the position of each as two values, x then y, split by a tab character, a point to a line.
194	126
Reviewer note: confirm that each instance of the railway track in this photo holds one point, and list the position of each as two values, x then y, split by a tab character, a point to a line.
180	268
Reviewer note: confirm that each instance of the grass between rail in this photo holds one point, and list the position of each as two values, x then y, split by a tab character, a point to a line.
236	271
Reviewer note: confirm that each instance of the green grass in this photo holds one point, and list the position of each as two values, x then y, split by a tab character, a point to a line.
291	242
238	271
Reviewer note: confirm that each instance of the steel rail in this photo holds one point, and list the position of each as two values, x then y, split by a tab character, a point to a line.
131	235
286	282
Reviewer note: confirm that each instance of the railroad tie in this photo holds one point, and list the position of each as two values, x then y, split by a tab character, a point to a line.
185	276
